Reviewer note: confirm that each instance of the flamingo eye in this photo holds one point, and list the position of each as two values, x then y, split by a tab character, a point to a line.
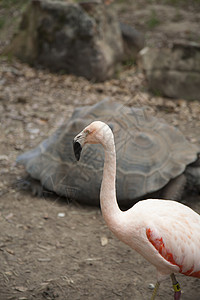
87	132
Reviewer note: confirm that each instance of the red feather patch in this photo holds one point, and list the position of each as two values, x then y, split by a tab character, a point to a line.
163	251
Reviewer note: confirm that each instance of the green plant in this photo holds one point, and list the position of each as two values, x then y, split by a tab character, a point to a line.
153	20
10	3
156	92
2	22
129	62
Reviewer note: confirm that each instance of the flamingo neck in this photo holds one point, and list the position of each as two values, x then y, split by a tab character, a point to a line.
109	206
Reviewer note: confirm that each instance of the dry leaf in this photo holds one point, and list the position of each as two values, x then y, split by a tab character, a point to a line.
44	259
21	288
104	241
10	251
9	216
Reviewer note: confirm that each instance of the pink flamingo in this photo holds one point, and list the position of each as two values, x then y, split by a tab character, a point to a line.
166	233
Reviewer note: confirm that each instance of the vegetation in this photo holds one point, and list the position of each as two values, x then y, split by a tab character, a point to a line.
153	21
2	22
10	10
10	3
10	16
175	2
179	3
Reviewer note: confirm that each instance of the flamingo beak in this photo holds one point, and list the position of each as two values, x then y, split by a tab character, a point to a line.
78	144
77	149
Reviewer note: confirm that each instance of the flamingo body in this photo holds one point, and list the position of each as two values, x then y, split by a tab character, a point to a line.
164	232
167	236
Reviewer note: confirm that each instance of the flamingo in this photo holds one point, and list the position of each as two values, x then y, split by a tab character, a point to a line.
166	233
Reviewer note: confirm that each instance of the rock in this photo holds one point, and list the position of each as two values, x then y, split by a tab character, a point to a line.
133	41
83	39
175	71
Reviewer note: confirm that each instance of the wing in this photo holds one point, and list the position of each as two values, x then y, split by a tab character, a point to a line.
175	236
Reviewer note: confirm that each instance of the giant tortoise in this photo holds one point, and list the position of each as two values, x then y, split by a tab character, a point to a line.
153	158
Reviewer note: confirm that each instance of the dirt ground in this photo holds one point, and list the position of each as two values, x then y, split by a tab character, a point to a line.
52	249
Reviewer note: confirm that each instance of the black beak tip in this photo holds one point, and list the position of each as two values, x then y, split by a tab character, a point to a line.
77	150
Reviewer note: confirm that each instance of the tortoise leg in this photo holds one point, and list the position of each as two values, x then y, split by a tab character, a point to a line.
36	188
174	189
192	172
28	183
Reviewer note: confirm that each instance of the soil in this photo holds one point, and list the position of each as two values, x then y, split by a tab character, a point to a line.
54	249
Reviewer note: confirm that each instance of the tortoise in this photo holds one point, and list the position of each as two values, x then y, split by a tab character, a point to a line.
153	158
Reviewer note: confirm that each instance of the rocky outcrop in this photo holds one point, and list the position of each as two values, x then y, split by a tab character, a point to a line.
133	41
175	71
84	39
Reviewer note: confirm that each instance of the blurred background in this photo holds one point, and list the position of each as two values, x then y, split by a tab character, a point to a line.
56	55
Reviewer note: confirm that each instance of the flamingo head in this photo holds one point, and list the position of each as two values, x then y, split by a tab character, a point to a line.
95	133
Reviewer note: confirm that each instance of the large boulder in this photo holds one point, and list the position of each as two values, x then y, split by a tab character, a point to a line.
84	39
133	42
174	71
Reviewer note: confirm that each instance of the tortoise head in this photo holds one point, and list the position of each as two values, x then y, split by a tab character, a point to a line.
95	133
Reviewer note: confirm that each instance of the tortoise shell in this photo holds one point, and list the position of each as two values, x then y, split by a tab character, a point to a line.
149	154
